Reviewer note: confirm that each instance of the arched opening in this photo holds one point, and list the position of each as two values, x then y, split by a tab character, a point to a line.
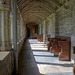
41	33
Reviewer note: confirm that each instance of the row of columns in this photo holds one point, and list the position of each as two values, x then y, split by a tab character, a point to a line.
42	30
12	29
6	27
56	32
44	26
5	39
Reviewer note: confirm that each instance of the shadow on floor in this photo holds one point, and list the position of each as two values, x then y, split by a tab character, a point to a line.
44	56
29	60
64	65
40	50
27	64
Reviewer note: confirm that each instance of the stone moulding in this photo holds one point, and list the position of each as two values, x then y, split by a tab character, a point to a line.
7	46
4	7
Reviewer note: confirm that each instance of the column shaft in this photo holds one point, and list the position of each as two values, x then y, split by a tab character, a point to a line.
15	35
2	30
44	32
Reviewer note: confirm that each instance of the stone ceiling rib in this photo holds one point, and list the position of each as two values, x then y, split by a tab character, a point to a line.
38	4
36	16
56	2
43	11
35	10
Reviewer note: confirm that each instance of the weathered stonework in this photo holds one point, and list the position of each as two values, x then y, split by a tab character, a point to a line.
44	31
51	25
41	28
73	35
5	39
7	64
64	20
20	31
61	23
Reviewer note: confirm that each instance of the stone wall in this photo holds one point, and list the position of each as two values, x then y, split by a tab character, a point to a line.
73	35
19	44
64	22
61	22
0	26
7	64
49	27
20	31
50	23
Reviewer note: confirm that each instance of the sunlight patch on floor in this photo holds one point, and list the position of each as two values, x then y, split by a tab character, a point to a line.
46	61
35	45
61	73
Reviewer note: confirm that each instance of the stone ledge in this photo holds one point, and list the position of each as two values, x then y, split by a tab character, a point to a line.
3	55
6	62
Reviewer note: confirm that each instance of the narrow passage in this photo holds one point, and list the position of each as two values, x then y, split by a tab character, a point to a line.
27	64
34	59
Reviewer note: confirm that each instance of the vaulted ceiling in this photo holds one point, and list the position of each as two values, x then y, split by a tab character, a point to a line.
35	11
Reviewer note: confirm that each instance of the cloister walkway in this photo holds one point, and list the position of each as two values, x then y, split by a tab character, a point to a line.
34	59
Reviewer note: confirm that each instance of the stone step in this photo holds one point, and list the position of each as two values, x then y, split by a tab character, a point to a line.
65	73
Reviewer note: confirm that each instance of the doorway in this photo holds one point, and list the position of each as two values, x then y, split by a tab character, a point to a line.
29	32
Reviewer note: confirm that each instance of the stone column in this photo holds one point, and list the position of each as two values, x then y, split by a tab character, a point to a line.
73	35
25	30
44	31
2	30
18	27
11	23
40	29
5	32
56	25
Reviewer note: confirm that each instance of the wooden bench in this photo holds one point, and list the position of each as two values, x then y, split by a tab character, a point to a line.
65	44
40	38
61	47
48	41
57	49
53	45
48	36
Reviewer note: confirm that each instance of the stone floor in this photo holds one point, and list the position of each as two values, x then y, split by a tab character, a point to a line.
34	59
27	64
